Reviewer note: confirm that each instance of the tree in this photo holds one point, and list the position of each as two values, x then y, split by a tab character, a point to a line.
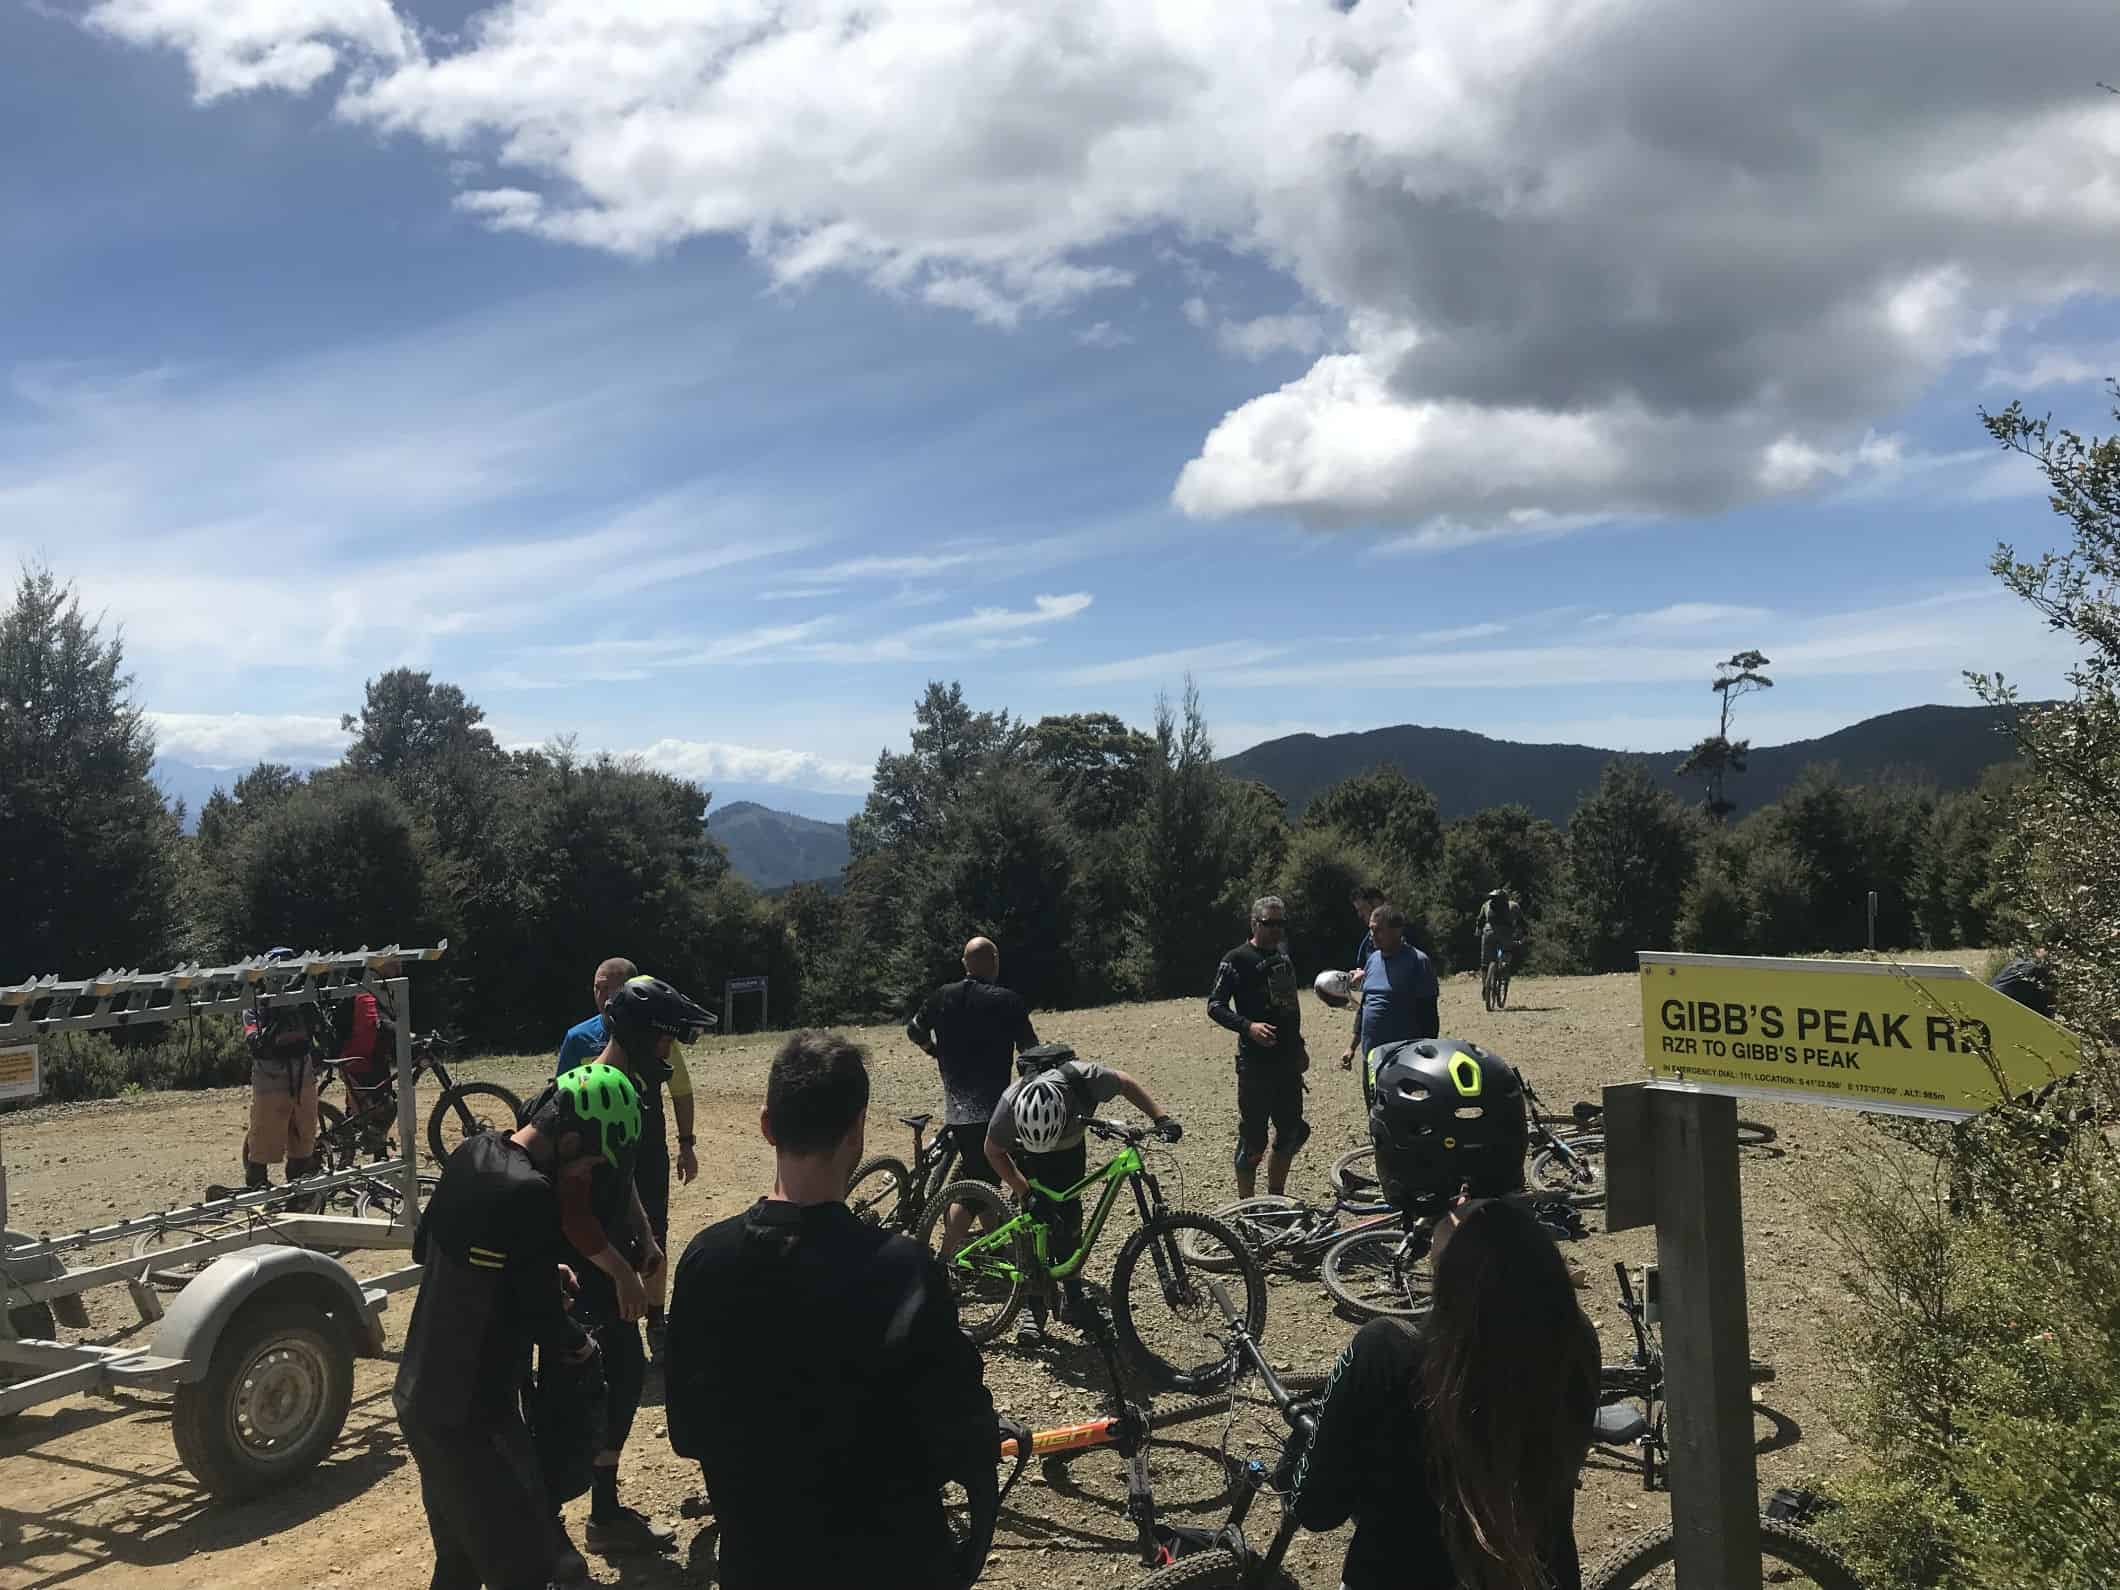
332	867
1098	767
1714	759
431	744
1631	848
1323	869
1193	852
87	848
1502	847
912	791
1392	814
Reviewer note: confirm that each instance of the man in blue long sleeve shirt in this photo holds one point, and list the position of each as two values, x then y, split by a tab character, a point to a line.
1399	992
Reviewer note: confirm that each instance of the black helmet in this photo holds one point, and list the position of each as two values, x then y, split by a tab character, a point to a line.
648	1005
1043	1058
1446	1114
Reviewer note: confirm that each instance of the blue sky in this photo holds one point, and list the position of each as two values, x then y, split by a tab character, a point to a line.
701	380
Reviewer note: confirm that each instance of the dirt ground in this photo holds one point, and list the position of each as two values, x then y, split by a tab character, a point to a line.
91	1493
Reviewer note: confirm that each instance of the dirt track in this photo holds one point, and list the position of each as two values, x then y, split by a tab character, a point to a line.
91	1493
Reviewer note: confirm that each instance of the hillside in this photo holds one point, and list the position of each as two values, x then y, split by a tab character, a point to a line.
1948	746
771	848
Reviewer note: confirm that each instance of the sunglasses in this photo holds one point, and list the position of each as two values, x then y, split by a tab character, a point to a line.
1271	921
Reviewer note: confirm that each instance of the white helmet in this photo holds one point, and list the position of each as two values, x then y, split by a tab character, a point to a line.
1334	989
1043	1113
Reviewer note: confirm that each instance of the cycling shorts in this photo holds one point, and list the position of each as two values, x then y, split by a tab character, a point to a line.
972	1163
1269	1096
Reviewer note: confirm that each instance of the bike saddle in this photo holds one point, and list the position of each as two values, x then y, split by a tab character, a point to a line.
917	1122
1620	1424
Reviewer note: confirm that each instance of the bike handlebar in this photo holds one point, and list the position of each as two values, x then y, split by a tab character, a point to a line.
1118	1131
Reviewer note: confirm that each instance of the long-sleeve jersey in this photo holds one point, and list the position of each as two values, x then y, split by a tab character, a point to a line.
1252	985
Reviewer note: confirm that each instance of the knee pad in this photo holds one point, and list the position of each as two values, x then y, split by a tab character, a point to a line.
1288	1150
1247	1158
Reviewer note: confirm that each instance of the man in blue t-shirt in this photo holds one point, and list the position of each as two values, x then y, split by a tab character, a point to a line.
1399	992
1367	898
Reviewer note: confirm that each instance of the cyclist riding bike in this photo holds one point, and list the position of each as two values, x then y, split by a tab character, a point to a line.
1501	926
1038	1131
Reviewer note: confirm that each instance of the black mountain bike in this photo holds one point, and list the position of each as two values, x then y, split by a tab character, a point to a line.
885	1191
464	1110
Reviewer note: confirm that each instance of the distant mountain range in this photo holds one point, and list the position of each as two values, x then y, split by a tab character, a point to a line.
1947	746
772	849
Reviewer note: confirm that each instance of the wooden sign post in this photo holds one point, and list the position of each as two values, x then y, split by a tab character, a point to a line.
1864	1035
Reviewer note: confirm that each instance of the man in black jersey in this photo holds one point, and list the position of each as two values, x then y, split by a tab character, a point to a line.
1255	998
803	1343
494	1284
974	1029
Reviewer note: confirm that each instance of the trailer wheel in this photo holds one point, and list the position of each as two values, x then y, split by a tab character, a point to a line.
273	1401
34	1321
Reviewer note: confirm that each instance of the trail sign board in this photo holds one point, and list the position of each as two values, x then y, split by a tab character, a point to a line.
20	1075
1862	1035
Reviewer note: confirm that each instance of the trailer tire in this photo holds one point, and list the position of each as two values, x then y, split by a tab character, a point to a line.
33	1321
274	1398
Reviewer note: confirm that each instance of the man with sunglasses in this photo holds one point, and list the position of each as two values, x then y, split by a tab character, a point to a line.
1255	998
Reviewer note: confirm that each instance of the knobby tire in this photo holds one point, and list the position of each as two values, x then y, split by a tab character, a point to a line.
1376	1253
449	1109
1219	1569
990	1209
1780	1545
1161	1234
886	1202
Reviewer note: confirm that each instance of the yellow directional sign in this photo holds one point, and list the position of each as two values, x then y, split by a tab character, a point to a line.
1864	1035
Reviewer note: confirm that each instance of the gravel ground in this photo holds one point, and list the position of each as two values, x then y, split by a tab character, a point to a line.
91	1493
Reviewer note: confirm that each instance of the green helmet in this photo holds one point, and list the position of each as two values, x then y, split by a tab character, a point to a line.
602	1101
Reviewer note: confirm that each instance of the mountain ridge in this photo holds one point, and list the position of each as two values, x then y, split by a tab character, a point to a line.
1468	771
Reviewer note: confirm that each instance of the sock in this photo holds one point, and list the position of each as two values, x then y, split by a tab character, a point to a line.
603	1491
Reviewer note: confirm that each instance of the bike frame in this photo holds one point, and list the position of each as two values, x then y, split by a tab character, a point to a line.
1126	1165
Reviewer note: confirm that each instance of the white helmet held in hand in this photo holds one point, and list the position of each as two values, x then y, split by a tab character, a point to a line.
1334	989
1044	1113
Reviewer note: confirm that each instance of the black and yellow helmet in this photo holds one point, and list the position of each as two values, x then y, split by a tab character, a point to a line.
1446	1116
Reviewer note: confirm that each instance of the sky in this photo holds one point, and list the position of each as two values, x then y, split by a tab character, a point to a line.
700	378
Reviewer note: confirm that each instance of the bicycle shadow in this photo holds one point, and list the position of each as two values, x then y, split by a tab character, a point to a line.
159	1516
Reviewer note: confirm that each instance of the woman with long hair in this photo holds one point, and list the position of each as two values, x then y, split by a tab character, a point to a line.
1455	1444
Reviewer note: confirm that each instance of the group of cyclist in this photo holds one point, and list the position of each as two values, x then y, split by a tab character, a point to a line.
812	1363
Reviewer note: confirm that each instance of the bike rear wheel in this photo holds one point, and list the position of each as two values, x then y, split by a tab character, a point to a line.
1219	1569
1755	1134
466	1110
1355	1173
1501	990
879	1191
1790	1558
1167	1319
1268	1225
1577	1175
988	1294
173	1276
1487	985
1378	1274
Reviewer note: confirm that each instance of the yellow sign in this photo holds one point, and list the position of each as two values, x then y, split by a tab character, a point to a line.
1864	1035
20	1077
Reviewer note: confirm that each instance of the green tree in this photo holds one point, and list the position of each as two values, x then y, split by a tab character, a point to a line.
1631	848
1714	759
430	743
336	866
909	799
88	851
1390	813
1193	851
1096	765
1501	847
1959	881
1323	868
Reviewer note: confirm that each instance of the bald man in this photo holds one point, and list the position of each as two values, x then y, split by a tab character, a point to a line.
974	1029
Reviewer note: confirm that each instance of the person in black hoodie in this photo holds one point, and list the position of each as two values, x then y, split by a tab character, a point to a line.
803	1342
1455	1445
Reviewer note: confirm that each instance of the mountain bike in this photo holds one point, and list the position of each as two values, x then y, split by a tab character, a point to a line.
1571	1164
883	1191
1630	1423
1223	1559
1288	1230
1494	980
1160	1308
464	1110
1789	1560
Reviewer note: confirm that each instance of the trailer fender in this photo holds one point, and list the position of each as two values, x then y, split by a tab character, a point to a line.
68	1310
194	1322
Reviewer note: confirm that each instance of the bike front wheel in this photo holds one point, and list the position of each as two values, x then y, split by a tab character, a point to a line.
466	1110
1790	1559
987	1282
1355	1173
1167	1319
1378	1274
1267	1225
1576	1173
879	1191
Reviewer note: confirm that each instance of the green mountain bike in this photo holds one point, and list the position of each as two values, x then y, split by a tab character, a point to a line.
1166	1318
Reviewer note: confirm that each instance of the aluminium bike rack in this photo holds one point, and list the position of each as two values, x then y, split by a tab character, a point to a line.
32	1270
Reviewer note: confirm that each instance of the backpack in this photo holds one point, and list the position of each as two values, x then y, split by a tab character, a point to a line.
286	1032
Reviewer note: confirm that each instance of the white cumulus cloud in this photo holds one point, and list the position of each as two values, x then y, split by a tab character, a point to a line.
705	761
1597	257
241	740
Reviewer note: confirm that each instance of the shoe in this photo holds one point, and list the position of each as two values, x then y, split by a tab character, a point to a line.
1030	1335
658	1339
1083	1314
629	1530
